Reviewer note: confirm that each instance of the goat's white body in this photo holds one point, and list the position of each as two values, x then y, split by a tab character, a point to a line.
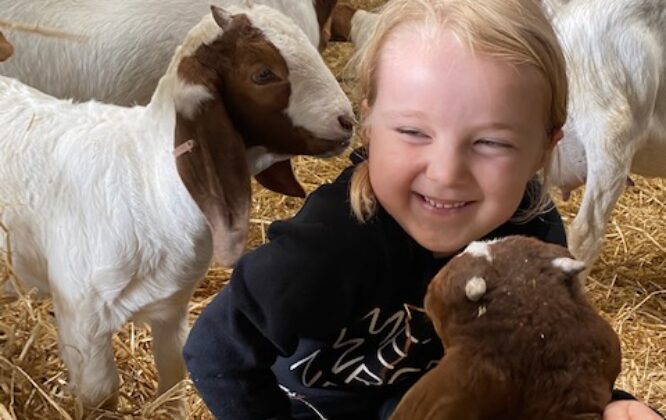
127	48
99	218
616	58
362	26
98	214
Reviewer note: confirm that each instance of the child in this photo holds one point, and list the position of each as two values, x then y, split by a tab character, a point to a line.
464	101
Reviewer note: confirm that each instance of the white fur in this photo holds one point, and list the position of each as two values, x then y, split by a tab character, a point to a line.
100	218
480	249
475	288
189	97
568	265
616	58
259	159
128	44
362	26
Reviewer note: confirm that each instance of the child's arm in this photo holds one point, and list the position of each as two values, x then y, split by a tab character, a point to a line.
229	362
301	284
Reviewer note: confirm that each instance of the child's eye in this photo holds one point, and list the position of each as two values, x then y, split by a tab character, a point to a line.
412	132
493	143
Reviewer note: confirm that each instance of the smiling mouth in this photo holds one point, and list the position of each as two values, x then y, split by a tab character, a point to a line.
443	204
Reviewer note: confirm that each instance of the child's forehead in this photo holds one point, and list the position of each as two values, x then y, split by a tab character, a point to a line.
417	38
408	48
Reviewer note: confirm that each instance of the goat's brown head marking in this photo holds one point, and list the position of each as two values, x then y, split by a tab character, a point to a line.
251	80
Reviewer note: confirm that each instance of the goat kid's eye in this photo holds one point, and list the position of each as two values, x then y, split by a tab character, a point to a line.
264	76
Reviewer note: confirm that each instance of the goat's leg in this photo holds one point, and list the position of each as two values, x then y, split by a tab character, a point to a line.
605	182
169	334
169	331
88	355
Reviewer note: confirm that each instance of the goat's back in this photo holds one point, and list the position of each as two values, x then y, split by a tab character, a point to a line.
123	48
90	185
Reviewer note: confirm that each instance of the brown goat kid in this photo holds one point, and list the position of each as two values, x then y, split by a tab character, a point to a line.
6	48
521	340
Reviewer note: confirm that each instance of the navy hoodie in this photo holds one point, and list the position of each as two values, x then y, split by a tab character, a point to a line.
328	312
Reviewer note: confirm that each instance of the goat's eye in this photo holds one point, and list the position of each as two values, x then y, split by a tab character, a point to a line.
264	76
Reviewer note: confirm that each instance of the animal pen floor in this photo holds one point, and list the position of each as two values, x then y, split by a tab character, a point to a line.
628	285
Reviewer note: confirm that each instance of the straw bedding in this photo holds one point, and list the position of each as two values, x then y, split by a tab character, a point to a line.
628	285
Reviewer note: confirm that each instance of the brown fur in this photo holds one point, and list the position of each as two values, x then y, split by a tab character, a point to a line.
324	10
6	48
341	22
241	114
540	350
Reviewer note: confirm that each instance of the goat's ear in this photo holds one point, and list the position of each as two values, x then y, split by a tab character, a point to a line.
221	17
279	177
216	174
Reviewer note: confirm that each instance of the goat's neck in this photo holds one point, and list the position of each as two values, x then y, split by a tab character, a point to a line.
161	115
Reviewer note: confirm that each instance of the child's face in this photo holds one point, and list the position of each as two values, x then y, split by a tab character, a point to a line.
453	139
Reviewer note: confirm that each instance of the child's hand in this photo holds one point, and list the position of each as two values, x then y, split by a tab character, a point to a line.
629	410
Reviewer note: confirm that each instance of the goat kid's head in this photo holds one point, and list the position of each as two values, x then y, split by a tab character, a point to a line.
498	279
247	82
6	48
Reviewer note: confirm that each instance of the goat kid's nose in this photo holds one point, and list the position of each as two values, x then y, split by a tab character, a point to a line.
346	123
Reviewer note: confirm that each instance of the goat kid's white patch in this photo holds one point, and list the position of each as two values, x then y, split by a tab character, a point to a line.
480	249
568	265
259	159
316	100
188	98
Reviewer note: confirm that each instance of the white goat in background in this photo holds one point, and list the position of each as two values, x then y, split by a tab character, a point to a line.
104	217
616	66
127	45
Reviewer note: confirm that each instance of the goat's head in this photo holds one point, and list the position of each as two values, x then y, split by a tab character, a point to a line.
6	48
505	278
251	92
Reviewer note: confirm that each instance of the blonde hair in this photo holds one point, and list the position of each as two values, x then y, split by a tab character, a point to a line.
515	31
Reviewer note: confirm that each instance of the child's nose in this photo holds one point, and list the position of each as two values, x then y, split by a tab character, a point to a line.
447	167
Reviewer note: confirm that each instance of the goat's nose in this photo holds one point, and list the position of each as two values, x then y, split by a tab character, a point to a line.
346	123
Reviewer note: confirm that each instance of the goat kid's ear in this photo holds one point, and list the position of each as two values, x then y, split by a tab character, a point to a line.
279	177
221	17
216	174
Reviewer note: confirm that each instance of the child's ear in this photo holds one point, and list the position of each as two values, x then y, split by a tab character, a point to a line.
555	138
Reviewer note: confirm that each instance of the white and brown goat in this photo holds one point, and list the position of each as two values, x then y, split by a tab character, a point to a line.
123	49
521	341
616	66
106	219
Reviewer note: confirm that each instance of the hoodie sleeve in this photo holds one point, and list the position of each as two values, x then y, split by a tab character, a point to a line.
303	283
